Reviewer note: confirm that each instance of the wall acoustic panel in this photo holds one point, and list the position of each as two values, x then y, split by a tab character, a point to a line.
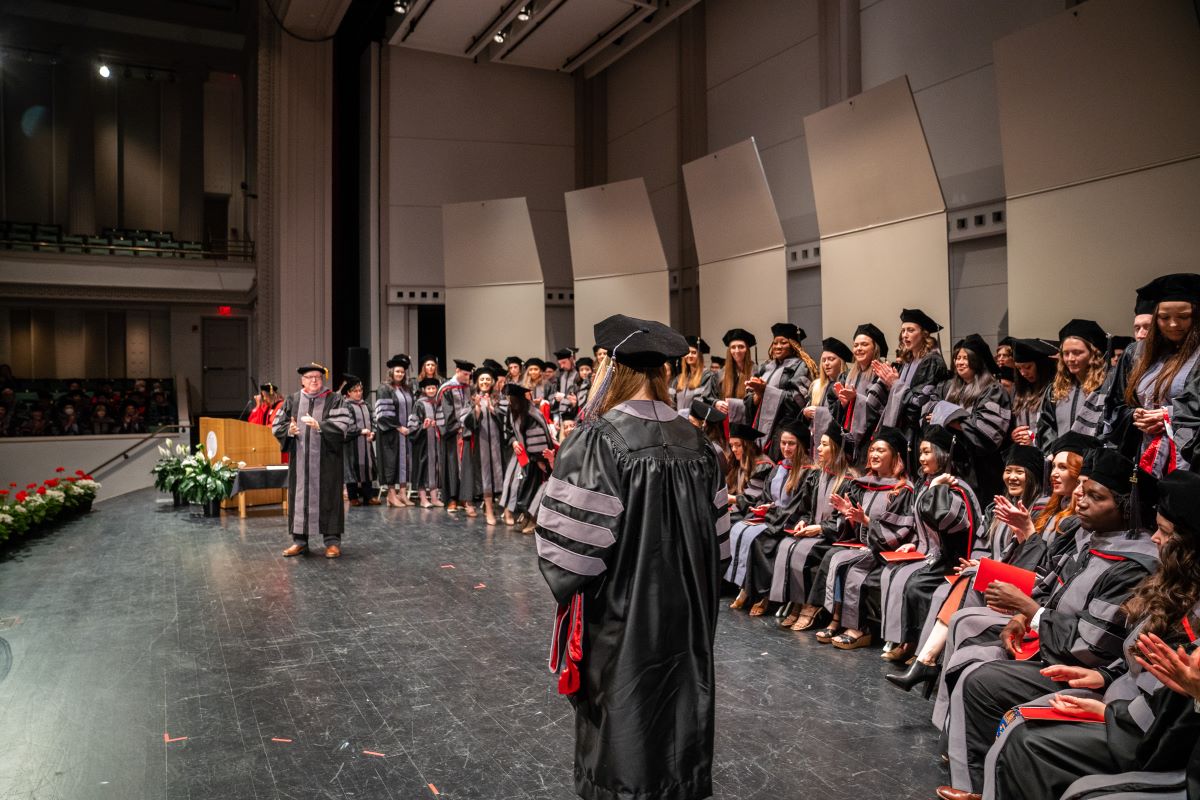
616	256
739	243
495	298
870	162
492	321
1107	238
1103	88
870	275
733	213
748	292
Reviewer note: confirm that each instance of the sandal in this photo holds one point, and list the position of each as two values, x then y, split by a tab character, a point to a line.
806	620
789	620
740	600
759	608
845	642
825	635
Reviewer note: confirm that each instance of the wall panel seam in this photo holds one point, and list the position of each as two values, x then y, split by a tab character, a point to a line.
756	64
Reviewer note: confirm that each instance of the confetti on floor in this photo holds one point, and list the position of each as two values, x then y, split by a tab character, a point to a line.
433	789
447	566
373	753
167	738
481	586
277	739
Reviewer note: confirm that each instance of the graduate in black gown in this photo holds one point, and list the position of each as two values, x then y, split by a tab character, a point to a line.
628	538
909	388
1148	727
359	452
311	428
426	443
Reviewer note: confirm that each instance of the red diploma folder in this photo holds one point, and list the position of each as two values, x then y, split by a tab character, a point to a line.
522	456
895	557
759	512
990	570
857	545
1049	714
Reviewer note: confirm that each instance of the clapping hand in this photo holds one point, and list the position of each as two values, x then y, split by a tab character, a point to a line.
1177	670
845	394
1149	421
885	373
1015	516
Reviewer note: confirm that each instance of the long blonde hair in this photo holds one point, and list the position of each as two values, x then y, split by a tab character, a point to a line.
1157	347
690	378
1063	379
627	382
733	382
928	344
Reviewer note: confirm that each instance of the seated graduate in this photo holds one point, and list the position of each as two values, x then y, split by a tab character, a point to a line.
585	367
858	399
753	541
695	380
1035	366
1056	522
810	538
1080	623
749	469
732	389
628	539
1020	547
882	519
973	401
779	388
948	522
1075	400
1150	719
359	453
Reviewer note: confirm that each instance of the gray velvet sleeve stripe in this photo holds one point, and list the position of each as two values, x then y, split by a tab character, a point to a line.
565	559
722	498
570	528
584	499
723	524
1103	610
1141	713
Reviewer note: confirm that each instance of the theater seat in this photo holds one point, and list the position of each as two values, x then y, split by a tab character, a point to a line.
1158	785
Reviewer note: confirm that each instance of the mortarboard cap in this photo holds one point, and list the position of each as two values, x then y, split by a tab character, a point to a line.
349	382
266	387
535	362
740	430
893	438
566	352
940	436
429	382
1116	343
919	317
586	361
1087	330
788	331
867	329
639	343
513	360
1112	470
706	412
465	365
701	346
718	361
1029	350
838	348
1075	442
1178	286
515	389
1179	498
739	335
312	366
1030	458
399	360
798	427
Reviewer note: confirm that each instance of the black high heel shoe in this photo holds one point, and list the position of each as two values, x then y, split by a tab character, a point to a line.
918	673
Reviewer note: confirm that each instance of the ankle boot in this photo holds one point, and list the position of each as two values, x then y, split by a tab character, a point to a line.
919	673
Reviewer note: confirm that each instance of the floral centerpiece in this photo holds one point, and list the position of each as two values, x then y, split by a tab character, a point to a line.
207	482
168	470
37	506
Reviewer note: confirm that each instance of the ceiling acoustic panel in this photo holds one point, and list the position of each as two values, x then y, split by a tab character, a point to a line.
489	242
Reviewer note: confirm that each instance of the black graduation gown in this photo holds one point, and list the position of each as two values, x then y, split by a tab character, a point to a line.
457	467
797	559
1078	411
788	385
755	489
393	407
426	444
1147	728
984	431
629	525
906	400
860	417
358	454
314	464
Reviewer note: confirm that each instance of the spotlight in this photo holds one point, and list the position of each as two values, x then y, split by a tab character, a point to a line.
104	71
499	37
525	13
400	6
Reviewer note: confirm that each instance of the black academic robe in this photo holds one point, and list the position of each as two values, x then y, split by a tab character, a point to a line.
533	434
984	433
487	427
860	417
628	534
314	464
458	476
1181	399
907	398
947	523
745	569
426	444
754	489
1077	411
798	559
789	382
683	397
1147	728
358	454
393	407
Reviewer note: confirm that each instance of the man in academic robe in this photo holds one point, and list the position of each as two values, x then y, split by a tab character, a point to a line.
311	429
454	404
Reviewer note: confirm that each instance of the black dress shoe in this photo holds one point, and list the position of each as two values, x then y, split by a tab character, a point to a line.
919	673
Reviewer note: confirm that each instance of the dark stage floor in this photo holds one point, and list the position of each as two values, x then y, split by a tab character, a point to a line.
156	654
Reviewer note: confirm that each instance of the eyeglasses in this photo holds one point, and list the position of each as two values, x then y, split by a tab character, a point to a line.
311	377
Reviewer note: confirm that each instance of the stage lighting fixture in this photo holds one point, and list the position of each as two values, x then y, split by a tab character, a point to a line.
104	71
525	13
500	37
400	6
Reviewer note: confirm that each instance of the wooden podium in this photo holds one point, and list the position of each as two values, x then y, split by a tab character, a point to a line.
241	441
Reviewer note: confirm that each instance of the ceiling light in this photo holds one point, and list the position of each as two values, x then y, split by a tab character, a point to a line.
104	71
400	6
500	37
525	13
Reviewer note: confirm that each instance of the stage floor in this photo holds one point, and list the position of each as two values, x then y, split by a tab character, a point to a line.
157	654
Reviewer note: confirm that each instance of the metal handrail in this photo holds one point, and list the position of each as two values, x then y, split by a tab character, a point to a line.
124	454
235	249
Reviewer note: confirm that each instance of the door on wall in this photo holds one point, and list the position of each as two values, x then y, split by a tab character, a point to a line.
225	346
431	336
216	224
